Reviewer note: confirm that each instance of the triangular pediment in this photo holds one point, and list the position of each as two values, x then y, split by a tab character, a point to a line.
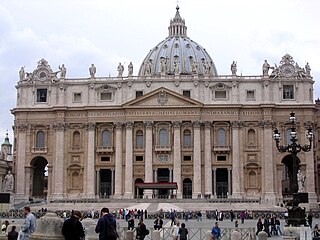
162	97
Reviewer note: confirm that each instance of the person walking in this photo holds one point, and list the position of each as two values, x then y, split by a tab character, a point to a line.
106	226
216	232
29	225
259	226
142	230
72	228
183	232
13	234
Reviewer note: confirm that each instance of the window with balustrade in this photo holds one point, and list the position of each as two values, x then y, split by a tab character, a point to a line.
187	138
163	137
139	139
76	141
221	137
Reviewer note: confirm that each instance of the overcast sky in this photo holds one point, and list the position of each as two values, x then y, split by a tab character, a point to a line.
106	32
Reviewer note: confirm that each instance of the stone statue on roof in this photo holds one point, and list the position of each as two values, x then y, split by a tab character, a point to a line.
130	69
265	68
63	71
92	71
22	74
234	68
120	70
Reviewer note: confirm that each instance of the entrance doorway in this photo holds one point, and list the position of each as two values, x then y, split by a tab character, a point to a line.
222	182
163	176
39	177
105	183
187	188
289	176
138	191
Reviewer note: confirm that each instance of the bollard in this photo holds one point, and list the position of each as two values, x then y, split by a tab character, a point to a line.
262	235
89	225
129	235
235	235
155	235
48	227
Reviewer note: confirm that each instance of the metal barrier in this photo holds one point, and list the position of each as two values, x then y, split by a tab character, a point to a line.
195	233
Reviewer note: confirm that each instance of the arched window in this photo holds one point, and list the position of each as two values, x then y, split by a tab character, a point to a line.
251	137
288	137
139	139
221	137
76	139
106	138
163	137
187	138
40	139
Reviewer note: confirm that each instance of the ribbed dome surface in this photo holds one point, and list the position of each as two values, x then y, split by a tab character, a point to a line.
178	54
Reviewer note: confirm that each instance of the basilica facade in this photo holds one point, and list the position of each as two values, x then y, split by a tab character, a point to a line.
178	121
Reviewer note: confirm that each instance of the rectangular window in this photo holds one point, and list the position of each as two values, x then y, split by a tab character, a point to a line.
187	158
139	158
106	96
76	97
220	94
105	159
250	95
139	94
221	158
42	95
186	93
288	92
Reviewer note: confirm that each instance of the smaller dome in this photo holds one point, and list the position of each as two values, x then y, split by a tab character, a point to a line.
178	54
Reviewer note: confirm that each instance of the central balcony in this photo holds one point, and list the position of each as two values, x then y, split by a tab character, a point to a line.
162	148
103	149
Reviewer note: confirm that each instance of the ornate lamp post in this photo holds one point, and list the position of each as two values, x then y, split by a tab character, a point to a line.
294	148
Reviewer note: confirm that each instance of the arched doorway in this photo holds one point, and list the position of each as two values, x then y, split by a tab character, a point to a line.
39	177
140	193
187	188
289	175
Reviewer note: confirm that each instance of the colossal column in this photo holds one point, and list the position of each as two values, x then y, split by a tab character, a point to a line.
269	168
21	131
58	166
118	163
148	171
128	166
89	183
235	160
196	159
207	158
177	157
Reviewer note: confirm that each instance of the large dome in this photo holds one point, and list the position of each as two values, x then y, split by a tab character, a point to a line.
178	54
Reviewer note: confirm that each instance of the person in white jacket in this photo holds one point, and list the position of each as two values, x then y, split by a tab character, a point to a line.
175	231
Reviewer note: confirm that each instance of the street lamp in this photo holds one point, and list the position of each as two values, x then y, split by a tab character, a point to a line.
294	148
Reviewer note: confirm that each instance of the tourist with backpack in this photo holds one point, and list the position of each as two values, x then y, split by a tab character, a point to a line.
106	226
142	230
72	228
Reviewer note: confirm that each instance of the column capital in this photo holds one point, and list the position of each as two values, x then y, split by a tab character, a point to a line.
196	124
129	125
176	124
148	124
237	124
60	126
118	125
207	124
90	126
22	127
266	124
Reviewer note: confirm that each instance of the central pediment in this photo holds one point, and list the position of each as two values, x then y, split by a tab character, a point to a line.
162	97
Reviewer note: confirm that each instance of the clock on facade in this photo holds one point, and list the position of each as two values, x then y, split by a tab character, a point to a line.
287	70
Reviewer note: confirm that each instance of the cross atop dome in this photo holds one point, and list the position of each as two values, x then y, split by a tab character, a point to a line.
177	26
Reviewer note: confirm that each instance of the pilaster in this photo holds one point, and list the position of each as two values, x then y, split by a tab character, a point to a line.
148	157
196	159
118	164
177	157
90	181
236	175
20	182
207	158
58	166
128	167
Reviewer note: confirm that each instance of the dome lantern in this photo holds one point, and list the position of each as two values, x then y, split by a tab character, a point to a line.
177	26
